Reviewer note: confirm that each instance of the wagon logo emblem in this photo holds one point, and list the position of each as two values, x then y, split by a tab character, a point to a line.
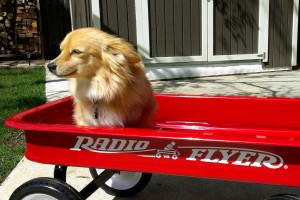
168	152
201	154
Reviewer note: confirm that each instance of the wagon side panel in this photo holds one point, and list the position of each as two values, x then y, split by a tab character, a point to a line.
168	155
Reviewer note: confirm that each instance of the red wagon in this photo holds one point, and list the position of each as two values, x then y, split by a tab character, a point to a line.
246	139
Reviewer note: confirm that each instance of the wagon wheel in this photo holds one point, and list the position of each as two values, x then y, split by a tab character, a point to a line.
124	183
283	197
46	189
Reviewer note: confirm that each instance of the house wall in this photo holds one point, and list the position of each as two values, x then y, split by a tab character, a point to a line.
56	23
59	17
118	18
175	26
176	30
280	33
81	15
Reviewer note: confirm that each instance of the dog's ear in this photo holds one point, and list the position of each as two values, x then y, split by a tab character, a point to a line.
121	58
111	79
118	70
131	55
97	50
120	46
106	86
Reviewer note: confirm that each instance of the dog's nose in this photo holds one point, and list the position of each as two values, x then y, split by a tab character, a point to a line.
52	67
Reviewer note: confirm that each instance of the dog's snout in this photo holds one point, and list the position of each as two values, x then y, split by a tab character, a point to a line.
52	67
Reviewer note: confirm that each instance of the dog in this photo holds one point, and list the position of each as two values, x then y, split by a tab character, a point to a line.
106	79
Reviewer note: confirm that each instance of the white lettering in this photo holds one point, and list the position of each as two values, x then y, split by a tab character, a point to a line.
221	155
226	156
117	145
79	144
272	161
235	156
103	142
196	153
244	158
109	145
141	145
209	155
269	163
130	145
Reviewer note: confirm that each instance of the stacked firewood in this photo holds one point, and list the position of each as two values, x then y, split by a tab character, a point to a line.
19	32
7	22
28	37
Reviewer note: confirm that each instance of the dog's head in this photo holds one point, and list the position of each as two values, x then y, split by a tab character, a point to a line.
86	50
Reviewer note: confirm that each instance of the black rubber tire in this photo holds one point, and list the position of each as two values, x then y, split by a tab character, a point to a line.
46	186
283	197
138	187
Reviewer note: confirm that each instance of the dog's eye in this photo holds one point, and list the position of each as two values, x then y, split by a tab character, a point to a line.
76	51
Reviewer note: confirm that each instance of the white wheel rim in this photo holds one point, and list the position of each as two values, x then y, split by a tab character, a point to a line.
123	180
39	196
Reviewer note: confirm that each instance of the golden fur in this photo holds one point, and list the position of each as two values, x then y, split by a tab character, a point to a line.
106	76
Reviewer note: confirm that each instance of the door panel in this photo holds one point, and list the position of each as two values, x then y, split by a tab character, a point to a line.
236	24
238	29
171	30
175	28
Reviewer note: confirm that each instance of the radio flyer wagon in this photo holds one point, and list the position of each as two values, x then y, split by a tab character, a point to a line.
248	139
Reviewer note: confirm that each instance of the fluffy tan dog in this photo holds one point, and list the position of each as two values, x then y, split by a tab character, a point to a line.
107	80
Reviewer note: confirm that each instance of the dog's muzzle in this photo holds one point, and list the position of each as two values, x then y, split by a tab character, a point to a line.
52	67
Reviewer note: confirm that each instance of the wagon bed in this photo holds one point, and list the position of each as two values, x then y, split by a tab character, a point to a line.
247	139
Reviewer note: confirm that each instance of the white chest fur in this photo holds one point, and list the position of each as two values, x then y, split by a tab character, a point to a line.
106	116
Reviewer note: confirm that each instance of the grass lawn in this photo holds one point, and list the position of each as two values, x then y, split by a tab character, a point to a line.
20	89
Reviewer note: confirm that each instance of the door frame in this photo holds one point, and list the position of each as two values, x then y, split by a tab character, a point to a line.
143	36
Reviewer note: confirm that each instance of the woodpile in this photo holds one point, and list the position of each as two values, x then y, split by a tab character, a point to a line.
19	31
27	27
7	22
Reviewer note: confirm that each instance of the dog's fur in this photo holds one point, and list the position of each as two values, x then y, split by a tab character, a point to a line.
106	76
